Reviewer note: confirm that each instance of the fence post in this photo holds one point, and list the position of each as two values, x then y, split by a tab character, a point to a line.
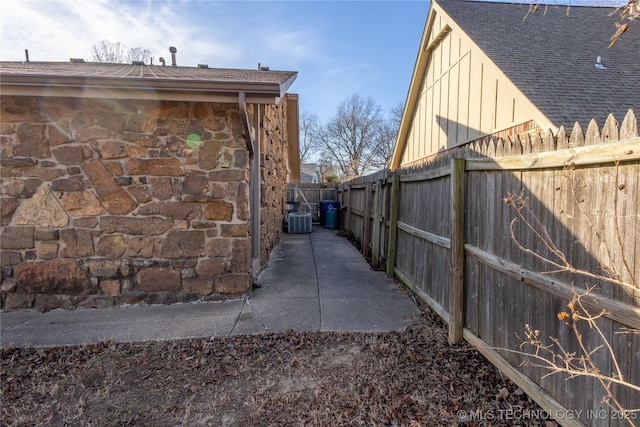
366	220
340	199
393	225
347	219
456	289
377	213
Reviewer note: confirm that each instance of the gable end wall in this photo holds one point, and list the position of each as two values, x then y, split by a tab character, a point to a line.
462	95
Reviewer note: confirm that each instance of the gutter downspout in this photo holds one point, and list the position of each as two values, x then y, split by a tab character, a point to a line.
253	147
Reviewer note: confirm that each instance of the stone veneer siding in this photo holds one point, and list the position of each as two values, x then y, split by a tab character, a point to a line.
274	175
110	202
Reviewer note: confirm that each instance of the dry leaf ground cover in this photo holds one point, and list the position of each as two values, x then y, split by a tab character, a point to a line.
411	378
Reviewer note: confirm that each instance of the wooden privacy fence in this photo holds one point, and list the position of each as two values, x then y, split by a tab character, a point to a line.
308	196
493	236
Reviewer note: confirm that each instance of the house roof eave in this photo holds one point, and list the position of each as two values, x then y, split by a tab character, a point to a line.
145	89
413	91
139	81
284	86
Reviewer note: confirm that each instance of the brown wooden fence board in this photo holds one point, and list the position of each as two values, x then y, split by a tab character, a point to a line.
566	211
579	187
472	294
634	377
543	317
623	348
512	184
627	246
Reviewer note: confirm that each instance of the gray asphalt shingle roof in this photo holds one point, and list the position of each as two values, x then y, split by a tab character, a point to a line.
551	57
133	81
152	72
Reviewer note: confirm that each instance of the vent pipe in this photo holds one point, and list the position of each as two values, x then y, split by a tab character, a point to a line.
26	55
173	51
161	59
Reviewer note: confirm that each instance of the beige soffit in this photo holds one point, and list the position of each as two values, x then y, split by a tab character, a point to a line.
151	82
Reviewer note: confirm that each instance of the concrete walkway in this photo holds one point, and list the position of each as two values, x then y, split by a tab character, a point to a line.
314	282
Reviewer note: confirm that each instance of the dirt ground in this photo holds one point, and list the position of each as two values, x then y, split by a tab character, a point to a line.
410	378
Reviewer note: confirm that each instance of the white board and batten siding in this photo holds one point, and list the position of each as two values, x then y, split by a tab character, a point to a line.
458	94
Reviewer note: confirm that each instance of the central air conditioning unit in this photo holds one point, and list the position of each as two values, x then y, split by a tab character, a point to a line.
299	223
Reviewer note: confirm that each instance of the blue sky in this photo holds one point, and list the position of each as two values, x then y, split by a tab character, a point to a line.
337	47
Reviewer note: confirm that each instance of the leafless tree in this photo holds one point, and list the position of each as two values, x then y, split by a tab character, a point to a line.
139	54
628	12
118	53
350	138
327	170
309	125
386	140
396	115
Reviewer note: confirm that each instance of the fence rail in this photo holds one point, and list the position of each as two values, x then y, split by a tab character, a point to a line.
450	231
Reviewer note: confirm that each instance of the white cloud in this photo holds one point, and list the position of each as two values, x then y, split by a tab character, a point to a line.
349	69
325	43
58	30
301	44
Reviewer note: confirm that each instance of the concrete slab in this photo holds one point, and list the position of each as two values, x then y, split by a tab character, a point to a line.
248	323
288	287
282	314
354	284
314	282
286	268
123	324
298	248
366	314
346	263
16	318
288	278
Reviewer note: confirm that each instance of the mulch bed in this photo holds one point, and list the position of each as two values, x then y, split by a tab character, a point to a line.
408	378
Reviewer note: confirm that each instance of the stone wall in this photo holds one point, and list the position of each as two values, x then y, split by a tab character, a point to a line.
274	175
115	202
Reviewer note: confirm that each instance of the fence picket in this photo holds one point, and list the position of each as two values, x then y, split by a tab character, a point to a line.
577	137
629	127
549	142
562	141
610	130
592	137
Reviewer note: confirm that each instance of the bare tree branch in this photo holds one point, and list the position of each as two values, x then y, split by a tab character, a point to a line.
358	139
309	125
554	357
117	53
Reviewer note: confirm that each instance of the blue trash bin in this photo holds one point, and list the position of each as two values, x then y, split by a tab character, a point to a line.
332	218
324	206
